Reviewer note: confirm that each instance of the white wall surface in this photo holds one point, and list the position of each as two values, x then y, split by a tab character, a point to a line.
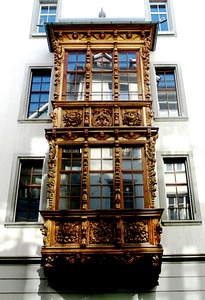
19	50
178	281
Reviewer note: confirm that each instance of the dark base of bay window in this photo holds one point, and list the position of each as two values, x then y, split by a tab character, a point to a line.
103	273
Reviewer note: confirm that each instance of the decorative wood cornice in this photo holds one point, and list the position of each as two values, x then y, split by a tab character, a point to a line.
95	32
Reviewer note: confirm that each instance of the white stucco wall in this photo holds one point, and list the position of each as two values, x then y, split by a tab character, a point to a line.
19	50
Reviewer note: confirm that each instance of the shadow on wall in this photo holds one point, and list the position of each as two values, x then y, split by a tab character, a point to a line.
84	286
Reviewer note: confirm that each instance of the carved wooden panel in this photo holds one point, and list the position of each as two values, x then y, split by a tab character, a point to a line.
67	232
136	232
101	232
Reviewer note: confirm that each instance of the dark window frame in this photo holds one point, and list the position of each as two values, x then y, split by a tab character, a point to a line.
28	193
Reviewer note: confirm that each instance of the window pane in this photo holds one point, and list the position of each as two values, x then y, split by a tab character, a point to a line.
167	93
177	189
39	93
29	190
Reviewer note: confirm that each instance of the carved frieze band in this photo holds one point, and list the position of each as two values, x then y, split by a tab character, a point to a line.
97	117
111	35
118	231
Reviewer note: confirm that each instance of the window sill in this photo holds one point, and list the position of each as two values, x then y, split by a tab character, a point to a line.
38	35
23	224
34	120
181	222
166	33
170	119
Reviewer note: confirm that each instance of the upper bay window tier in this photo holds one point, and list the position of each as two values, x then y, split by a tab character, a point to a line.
102	86
101	60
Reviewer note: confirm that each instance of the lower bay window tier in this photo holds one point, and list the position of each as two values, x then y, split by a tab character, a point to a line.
97	177
111	243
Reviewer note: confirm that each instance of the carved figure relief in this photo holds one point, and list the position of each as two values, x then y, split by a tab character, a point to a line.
102	117
46	230
132	118
72	118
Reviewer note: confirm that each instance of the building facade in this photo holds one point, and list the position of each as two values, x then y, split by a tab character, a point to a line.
102	136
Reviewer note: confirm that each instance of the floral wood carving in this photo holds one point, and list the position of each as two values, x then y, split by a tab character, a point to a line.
51	174
117	176
84	232
128	258
136	232
146	66
58	56
102	117
72	118
77	258
101	232
67	233
85	179
150	153
132	118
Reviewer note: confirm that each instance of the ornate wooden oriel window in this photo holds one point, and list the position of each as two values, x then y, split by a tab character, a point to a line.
101	181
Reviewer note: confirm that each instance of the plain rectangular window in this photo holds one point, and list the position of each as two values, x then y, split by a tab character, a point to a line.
47	13
159	13
168	100
29	190
39	93
179	202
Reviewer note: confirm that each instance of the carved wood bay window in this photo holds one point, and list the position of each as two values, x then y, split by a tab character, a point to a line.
101	181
